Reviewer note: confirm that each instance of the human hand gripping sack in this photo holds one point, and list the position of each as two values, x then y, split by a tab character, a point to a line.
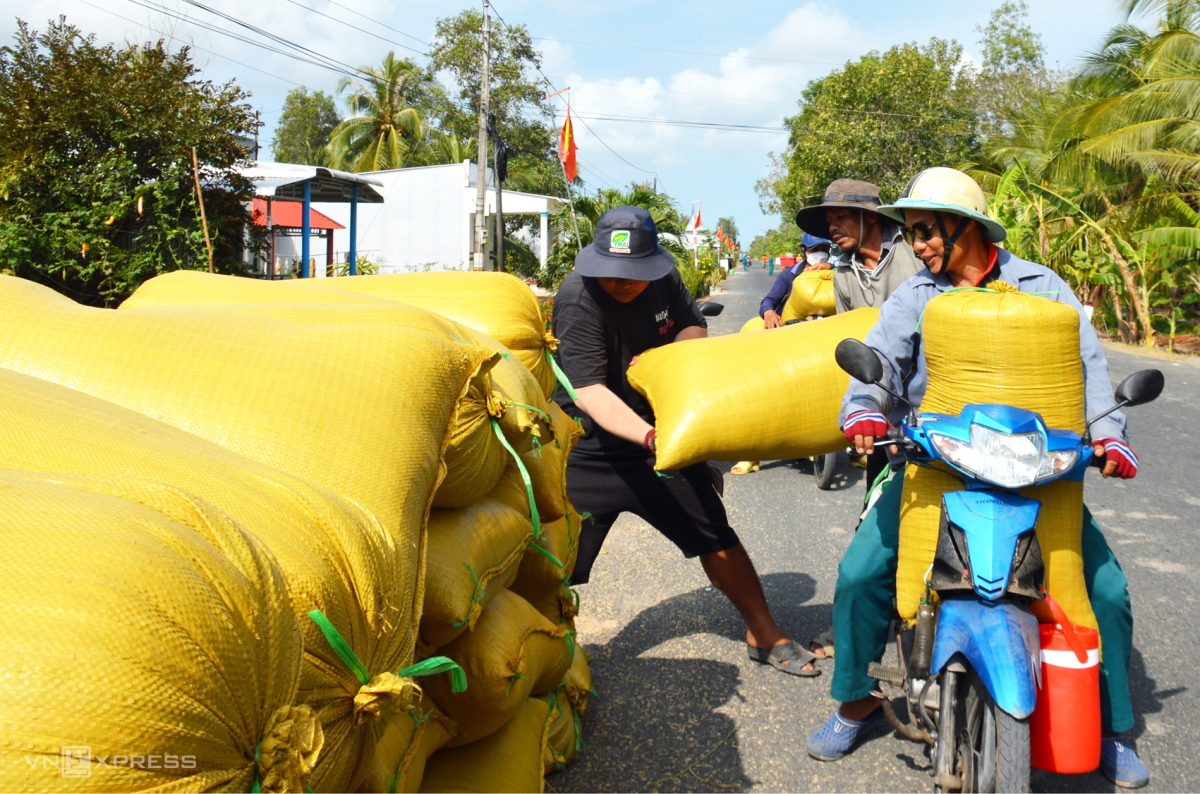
1120	459
863	427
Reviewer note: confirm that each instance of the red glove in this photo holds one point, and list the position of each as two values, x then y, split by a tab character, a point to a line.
1117	451
866	423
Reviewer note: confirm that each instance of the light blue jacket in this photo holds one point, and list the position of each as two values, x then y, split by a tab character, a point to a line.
897	340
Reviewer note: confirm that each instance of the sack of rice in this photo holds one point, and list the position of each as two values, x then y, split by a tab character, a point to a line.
497	304
977	350
564	733
547	464
143	651
812	296
318	402
472	554
398	764
336	557
723	398
541	571
474	456
512	653
753	324
579	681
509	760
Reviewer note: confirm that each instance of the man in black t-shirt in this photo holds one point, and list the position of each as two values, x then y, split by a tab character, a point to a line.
623	298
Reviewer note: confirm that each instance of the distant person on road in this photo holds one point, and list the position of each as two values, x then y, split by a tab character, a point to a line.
625	297
874	262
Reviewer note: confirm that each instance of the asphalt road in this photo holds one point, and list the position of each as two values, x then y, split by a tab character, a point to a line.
681	708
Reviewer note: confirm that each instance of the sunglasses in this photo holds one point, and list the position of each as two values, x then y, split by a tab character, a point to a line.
918	231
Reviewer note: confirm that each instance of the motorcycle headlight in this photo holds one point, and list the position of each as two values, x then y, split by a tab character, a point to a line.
1010	461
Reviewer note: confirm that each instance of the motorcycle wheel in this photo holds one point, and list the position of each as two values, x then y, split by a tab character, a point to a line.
825	468
992	753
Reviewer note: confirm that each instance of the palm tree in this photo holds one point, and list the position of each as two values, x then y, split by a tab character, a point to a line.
384	128
588	211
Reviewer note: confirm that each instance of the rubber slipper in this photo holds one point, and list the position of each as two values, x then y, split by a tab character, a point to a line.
788	657
824	641
745	467
837	737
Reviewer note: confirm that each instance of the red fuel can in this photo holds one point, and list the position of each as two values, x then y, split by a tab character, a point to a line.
1064	729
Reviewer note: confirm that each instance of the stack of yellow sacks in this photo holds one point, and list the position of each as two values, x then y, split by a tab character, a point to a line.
221	514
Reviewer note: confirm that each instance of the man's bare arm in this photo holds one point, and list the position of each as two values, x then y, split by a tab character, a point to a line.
610	412
692	332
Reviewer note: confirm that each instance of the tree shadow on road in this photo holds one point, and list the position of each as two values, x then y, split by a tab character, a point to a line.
654	725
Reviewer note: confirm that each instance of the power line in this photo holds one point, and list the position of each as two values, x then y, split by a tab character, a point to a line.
686	52
383	24
360	30
585	124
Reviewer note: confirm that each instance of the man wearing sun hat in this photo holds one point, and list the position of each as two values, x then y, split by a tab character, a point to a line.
945	217
623	298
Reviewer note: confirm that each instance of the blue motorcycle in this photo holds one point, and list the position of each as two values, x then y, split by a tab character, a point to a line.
973	660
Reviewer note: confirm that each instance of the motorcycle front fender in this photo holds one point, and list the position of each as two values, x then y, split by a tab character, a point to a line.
1000	640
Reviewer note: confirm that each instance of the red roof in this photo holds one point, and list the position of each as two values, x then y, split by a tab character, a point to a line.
290	214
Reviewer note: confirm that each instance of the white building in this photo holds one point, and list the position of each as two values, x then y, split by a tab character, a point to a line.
427	218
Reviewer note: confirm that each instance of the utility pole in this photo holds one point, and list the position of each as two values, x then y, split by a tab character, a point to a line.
481	155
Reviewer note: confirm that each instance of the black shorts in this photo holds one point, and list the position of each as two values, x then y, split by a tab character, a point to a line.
683	505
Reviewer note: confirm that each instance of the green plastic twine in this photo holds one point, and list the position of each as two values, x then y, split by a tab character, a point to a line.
535	409
438	664
533	511
547	554
476	597
561	376
341	647
515	678
256	786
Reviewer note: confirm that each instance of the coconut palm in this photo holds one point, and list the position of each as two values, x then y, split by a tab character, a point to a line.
589	209
384	128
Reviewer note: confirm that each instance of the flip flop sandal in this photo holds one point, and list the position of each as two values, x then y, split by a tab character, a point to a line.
789	658
824	641
745	467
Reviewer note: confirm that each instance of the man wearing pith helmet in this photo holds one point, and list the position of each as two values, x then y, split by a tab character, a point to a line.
624	298
945	217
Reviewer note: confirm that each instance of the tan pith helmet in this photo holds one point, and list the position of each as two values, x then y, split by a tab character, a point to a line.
946	190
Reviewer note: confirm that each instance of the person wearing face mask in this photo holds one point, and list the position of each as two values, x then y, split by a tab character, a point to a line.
945	213
816	254
623	298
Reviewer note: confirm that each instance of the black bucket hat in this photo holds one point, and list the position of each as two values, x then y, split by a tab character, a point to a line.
852	194
627	247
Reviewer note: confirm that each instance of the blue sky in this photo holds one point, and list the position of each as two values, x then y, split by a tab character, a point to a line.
741	63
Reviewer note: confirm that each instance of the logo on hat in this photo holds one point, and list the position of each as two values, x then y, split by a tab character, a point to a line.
619	243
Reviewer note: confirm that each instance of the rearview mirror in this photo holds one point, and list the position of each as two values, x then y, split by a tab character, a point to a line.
710	309
859	360
1140	387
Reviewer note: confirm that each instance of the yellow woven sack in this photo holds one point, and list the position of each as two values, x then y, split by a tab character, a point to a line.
497	304
564	733
473	553
510	760
334	555
474	455
547	464
140	651
366	419
753	324
556	604
512	653
1015	349
398	764
579	680
514	382
748	397
538	573
812	296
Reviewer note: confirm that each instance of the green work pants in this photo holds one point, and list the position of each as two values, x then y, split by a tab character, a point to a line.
866	590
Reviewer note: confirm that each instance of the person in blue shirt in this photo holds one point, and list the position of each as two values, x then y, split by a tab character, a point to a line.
945	213
816	254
